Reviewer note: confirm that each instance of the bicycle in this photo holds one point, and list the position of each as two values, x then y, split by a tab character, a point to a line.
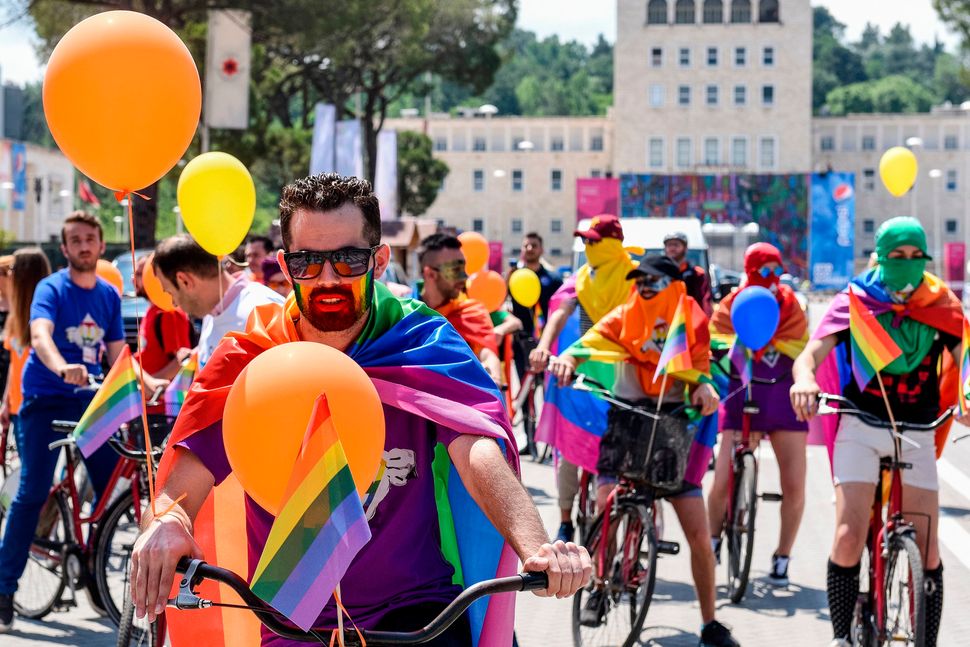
623	540
891	609
195	571
526	399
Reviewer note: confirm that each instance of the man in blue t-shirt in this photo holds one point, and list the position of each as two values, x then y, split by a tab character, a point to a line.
75	324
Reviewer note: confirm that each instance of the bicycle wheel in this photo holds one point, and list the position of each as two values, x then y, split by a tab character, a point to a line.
586	504
904	622
529	421
40	587
112	555
740	528
619	596
863	630
130	634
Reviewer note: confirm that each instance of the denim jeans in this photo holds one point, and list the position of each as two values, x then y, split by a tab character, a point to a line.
37	464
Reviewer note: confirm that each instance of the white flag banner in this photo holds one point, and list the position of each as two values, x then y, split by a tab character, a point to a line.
349	154
324	131
227	69
385	176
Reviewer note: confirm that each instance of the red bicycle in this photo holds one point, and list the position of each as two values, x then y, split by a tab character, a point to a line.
891	608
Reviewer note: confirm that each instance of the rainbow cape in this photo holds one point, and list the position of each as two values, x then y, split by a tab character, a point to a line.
419	365
964	370
872	347
675	356
117	401
178	388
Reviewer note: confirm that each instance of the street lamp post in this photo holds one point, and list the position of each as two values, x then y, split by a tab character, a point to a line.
179	225
935	174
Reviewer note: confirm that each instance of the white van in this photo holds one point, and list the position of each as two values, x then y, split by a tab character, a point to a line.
649	234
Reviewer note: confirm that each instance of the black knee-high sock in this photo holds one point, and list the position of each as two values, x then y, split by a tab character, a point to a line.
842	585
933	581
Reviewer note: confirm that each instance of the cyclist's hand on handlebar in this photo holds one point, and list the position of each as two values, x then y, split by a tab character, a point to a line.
567	565
563	369
804	399
153	561
705	398
539	359
74	374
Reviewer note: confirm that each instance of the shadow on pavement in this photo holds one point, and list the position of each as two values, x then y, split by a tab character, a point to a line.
93	633
950	511
765	599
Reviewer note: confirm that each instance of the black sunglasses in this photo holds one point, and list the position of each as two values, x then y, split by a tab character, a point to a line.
346	262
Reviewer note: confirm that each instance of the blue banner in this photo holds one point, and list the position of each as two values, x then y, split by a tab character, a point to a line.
18	155
832	232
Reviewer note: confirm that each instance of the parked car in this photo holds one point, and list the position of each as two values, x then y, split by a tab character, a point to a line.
723	281
130	303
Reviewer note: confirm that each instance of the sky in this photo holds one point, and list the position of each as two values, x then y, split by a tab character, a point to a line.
574	20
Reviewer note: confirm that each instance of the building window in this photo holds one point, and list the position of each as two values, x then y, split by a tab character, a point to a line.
557	144
683	152
478	144
768	11
951	180
555	251
740	11
767	152
740	95
594	173
683	57
555	226
441	143
656	153
713	12
683	95
656	56
768	57
866	254
656	96
951	143
712	151
951	226
596	143
517	180
555	180
516	225
684	12
712	95
711	56
739	152
478	225
868	226
478	180
740	56
768	95
827	143
869	179
868	143
657	12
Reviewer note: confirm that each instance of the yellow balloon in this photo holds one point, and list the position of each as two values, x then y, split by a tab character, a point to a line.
218	201
898	169
525	287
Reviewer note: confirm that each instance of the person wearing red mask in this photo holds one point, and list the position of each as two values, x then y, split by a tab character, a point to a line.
763	267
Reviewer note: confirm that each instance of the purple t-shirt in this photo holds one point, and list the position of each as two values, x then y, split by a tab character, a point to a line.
402	564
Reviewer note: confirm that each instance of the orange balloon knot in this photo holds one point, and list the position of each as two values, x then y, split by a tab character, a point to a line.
121	195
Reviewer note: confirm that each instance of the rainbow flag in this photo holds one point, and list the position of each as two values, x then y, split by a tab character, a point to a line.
117	401
319	530
964	370
675	357
179	386
741	359
872	347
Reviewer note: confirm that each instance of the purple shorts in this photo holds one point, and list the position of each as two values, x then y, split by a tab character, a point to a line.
773	400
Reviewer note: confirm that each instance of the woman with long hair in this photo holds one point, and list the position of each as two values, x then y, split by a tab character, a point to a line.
30	265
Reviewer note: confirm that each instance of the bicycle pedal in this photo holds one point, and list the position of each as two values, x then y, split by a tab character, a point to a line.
668	547
771	496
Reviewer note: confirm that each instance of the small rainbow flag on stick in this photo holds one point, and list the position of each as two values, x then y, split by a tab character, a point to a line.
319	530
964	370
177	389
741	359
872	347
116	402
675	357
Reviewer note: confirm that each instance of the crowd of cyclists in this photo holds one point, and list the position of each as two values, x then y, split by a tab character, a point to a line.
62	329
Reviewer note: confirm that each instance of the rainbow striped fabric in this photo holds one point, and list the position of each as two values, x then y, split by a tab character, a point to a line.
675	356
741	359
964	370
872	347
117	401
319	530
177	389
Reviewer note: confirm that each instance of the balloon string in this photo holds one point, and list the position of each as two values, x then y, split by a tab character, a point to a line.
221	272
341	612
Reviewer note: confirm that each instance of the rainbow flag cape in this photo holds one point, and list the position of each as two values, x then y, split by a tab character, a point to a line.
319	530
675	356
964	370
177	389
117	401
872	347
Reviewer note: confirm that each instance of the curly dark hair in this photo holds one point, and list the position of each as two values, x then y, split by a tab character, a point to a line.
326	192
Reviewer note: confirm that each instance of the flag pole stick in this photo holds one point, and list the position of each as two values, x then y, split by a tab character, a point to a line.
653	430
340	617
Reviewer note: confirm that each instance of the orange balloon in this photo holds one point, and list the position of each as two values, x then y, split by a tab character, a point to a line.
153	288
111	274
475	248
269	407
489	288
122	98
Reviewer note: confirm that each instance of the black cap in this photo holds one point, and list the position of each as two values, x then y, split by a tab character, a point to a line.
656	265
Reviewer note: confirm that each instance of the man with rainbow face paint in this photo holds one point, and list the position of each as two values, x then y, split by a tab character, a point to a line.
925	320
453	513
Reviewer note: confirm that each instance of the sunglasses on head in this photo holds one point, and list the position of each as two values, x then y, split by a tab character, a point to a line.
766	271
346	262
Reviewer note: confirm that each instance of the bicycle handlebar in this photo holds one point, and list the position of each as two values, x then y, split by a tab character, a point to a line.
196	570
848	407
588	384
67	427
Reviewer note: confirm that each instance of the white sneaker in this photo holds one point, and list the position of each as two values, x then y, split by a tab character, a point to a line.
839	642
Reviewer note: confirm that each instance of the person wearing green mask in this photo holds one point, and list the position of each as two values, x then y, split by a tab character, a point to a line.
925	320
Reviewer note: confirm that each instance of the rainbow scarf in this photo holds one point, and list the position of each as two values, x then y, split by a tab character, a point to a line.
117	401
178	388
420	365
964	370
675	357
319	530
872	347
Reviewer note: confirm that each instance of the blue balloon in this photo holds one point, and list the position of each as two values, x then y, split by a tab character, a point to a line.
754	315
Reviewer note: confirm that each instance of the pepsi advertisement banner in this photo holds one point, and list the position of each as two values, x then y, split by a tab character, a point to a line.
831	251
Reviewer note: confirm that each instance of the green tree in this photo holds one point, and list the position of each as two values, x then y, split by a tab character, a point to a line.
892	94
834	64
420	175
